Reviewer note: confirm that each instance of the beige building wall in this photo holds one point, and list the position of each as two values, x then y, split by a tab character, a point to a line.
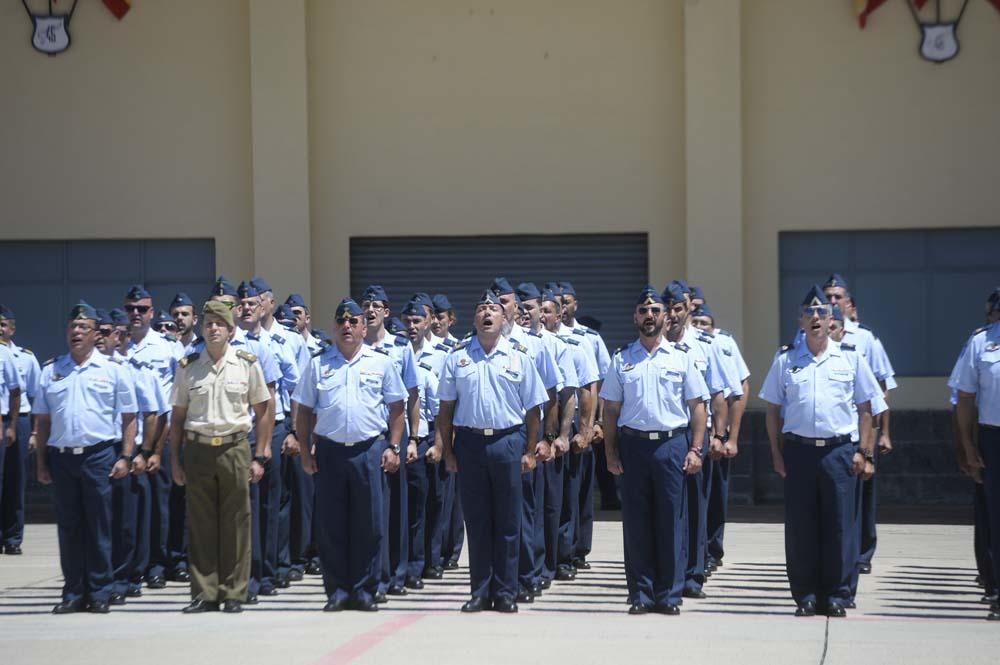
476	117
851	129
140	130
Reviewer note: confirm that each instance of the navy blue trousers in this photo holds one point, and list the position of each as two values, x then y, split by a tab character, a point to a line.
584	536
569	518
124	523
419	476
160	484
981	539
177	534
821	546
454	533
489	483
294	516
654	517
718	508
553	482
866	518
350	512
82	487
437	519
396	548
270	500
531	556
989	449
143	507
13	481
698	487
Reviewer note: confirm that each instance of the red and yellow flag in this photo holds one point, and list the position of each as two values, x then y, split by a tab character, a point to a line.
118	7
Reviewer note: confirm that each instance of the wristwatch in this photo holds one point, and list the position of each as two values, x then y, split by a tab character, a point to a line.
124	457
869	455
721	437
550	437
394	447
146	454
260	459
414	439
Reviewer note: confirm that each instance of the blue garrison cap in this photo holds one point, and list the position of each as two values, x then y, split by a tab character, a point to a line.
223	287
321	336
648	296
423	300
283	314
346	309
488	298
703	310
247	290
838	313
993	300
104	317
118	316
374	293
181	300
548	294
527	291
674	293
394	326
261	284
6	313
815	297
413	308
137	292
683	285
295	300
696	293
82	311
566	289
836	280
161	316
441	303
501	287
554	287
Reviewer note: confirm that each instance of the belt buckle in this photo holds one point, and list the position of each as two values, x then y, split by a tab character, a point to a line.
216	441
820	443
77	451
654	436
488	431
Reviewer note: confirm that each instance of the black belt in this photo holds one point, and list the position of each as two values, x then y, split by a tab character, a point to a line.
366	442
819	443
82	450
489	431
661	435
984	426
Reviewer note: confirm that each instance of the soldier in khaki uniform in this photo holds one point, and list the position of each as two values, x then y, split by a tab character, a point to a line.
213	393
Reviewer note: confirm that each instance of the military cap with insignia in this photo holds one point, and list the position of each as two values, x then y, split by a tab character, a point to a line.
527	291
815	297
261	285
118	316
137	292
346	309
566	289
648	296
488	298
296	300
247	290
673	293
221	310
181	300
441	303
703	310
6	313
394	326
223	287
550	295
501	287
104	317
375	293
160	318
413	308
836	280
554	287
423	300
83	311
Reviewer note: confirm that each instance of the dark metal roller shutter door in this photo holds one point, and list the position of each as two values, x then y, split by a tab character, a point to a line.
607	270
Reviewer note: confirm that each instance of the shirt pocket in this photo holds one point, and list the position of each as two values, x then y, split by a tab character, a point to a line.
989	364
842	385
371	386
235	391
672	383
198	400
466	379
102	391
328	392
798	387
57	395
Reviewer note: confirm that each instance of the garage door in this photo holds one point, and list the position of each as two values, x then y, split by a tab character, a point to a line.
607	270
41	281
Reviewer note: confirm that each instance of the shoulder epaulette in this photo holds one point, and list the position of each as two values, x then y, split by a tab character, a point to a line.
187	360
579	331
380	349
979	330
28	351
442	347
590	331
468	335
461	345
720	331
318	352
427	367
247	356
785	348
519	347
278	338
448	342
617	351
847	347
864	327
681	346
48	362
135	362
534	334
401	340
703	338
570	340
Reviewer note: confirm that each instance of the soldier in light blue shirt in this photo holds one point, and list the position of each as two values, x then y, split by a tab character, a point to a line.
655	421
343	399
489	392
17	430
85	406
444	319
820	398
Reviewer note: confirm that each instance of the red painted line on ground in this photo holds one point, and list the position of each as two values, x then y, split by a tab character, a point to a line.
359	644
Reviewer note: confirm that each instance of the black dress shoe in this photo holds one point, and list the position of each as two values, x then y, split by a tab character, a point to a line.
294	575
134	591
451	564
413	583
338	605
117	599
536	590
432	573
994	614
991	599
282	582
669	609
313	568
476	604
581	564
232	607
546	584
66	607
864	568
852	605
396	590
98	607
156	582
380	598
365	604
694	593
180	575
806	609
525	597
638	608
252	599
267	591
13	550
505	605
198	606
711	566
836	612
565	573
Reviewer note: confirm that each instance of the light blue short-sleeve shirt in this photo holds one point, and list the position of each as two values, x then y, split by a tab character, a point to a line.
978	372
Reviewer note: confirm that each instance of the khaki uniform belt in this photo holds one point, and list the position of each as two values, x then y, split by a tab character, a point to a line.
194	437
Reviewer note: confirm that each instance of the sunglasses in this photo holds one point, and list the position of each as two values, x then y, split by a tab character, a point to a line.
141	309
167	326
817	310
353	320
105	332
651	310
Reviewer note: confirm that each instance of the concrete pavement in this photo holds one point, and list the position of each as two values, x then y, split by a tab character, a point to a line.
920	605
